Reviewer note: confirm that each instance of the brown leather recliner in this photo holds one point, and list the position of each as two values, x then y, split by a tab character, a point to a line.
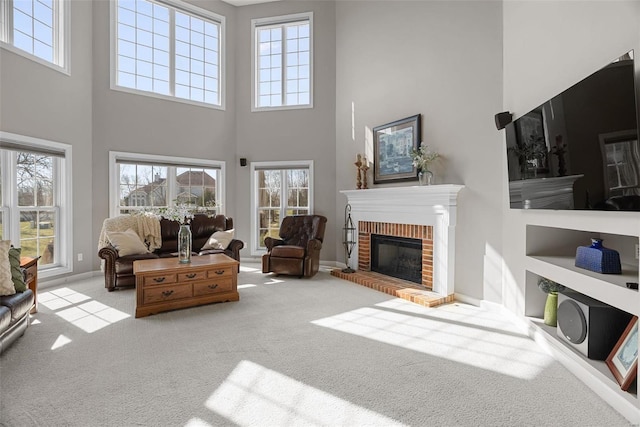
297	252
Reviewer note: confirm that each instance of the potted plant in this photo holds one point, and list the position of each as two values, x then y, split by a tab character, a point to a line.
421	159
551	288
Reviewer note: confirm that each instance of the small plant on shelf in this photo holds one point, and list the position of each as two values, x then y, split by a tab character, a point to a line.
550	288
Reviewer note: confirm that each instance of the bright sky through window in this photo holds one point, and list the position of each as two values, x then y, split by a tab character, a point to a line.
33	27
167	51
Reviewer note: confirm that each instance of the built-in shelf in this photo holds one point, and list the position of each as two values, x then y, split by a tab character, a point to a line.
608	288
550	253
597	368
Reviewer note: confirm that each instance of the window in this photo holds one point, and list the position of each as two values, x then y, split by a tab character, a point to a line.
36	29
279	189
621	162
36	197
170	50
149	181
283	65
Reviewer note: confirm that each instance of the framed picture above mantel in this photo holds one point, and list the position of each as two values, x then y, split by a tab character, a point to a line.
392	145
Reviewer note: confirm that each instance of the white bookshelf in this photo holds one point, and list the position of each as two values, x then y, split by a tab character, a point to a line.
550	253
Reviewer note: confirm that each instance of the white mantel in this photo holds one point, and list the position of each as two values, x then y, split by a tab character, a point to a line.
433	205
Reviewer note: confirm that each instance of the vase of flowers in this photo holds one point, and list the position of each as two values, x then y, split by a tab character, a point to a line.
421	159
551	288
182	214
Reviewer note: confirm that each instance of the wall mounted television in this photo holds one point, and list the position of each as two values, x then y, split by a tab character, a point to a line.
579	150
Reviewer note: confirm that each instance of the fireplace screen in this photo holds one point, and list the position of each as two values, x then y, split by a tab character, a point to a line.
399	257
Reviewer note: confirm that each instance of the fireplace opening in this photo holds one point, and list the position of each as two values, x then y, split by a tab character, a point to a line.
398	257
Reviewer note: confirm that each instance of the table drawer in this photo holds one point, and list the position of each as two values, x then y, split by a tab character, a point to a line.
160	279
223	284
166	293
191	276
220	272
30	273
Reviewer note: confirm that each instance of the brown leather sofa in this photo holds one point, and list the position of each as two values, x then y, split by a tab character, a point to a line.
297	252
118	271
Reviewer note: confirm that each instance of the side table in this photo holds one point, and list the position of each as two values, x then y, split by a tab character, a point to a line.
30	265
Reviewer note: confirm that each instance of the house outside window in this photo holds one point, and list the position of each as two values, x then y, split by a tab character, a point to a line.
279	189
36	200
38	30
171	50
282	62
148	182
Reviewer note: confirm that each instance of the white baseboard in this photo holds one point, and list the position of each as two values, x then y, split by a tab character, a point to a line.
48	283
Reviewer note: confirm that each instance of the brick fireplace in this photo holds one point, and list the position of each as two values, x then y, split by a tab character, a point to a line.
427	213
413	231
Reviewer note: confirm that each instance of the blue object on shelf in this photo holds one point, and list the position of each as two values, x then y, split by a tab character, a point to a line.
598	258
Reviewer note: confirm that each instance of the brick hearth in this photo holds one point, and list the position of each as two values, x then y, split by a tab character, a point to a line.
396	287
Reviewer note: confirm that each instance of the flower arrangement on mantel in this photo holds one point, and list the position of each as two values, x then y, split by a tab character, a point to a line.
182	213
423	156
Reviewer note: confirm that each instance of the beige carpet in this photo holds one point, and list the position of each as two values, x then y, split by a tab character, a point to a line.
291	352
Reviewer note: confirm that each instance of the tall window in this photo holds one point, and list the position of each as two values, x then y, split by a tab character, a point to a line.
279	189
168	50
36	29
149	181
36	199
283	62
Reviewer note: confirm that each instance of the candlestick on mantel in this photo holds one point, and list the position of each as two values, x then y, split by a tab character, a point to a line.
358	164
365	167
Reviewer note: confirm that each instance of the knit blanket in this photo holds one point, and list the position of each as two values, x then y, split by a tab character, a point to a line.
146	226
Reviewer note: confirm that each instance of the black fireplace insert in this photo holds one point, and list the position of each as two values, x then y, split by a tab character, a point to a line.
399	257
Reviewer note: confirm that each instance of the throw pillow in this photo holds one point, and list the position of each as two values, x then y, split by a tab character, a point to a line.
219	240
16	273
6	284
127	242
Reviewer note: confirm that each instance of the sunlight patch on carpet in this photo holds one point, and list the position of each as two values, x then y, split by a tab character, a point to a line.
246	286
255	395
60	342
462	338
80	310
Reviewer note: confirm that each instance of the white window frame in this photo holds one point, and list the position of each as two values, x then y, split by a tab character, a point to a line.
187	8
63	199
295	164
260	22
121	156
61	35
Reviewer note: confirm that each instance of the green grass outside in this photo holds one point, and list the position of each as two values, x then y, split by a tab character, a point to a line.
33	241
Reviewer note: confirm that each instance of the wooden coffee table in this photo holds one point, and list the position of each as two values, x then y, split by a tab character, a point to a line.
164	284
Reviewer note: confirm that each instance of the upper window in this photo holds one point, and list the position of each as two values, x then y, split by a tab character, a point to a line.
142	182
168	49
283	65
35	29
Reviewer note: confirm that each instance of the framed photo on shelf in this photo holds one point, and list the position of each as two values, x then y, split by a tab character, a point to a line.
392	145
623	359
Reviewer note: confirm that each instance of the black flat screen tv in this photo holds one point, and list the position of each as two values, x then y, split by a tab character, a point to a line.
579	150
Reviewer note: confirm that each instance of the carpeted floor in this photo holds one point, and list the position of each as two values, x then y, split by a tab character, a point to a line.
291	352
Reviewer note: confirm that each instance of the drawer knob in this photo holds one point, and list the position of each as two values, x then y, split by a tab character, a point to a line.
167	293
219	272
158	279
213	286
191	275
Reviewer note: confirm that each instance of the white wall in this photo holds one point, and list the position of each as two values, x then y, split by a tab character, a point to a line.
548	47
40	102
142	124
444	61
306	134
